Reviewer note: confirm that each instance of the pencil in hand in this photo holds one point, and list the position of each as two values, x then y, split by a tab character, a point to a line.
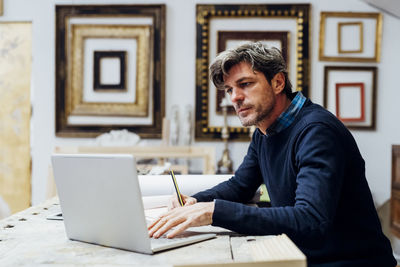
178	193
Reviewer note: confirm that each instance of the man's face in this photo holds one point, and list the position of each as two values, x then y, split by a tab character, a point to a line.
252	96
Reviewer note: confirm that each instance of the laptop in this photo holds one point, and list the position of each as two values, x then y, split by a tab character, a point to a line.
101	203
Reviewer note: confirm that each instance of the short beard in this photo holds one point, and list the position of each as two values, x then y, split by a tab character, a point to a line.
261	115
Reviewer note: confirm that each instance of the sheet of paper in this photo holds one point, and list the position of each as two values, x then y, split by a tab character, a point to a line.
151	202
152	185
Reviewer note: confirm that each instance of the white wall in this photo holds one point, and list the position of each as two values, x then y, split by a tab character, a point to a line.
180	80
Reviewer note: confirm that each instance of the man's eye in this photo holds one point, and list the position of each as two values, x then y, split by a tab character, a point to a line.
245	84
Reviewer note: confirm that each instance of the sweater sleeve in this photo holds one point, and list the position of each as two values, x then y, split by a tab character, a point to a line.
319	161
242	186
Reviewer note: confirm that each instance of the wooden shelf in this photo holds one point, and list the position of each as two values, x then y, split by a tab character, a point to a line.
153	152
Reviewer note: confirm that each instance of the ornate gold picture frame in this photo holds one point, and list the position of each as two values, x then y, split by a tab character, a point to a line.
292	18
360	32
135	31
138	106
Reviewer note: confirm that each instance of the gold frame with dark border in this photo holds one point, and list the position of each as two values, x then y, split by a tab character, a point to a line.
361	37
75	102
204	13
111	87
65	12
378	36
374	71
224	36
1	7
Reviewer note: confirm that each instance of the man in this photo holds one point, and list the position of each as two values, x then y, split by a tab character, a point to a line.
308	160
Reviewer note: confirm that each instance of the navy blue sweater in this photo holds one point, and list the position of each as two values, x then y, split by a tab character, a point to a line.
320	198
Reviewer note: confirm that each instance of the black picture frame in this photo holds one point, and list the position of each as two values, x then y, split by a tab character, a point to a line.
299	13
98	56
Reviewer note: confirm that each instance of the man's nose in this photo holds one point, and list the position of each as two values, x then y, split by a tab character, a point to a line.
237	95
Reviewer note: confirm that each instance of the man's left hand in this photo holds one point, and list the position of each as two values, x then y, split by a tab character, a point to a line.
182	218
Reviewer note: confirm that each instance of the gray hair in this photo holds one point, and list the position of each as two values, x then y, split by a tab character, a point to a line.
268	61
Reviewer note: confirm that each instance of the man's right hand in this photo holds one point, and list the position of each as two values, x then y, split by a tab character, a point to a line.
174	202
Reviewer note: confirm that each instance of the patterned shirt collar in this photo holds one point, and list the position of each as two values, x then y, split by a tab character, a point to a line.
288	116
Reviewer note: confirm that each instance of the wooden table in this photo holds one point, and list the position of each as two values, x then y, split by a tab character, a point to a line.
29	239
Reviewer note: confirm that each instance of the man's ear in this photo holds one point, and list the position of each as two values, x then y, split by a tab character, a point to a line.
278	83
